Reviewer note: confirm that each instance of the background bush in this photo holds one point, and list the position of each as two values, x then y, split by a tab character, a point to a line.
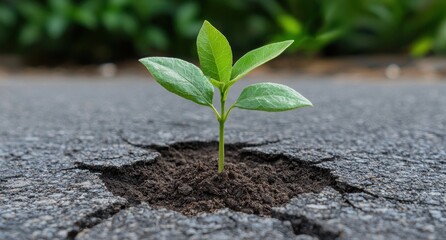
106	30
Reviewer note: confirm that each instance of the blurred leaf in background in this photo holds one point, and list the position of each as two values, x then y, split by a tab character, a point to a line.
89	31
7	20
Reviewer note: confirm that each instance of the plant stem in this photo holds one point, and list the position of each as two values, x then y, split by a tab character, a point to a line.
221	148
221	145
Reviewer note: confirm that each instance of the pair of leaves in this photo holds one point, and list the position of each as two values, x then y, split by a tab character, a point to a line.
188	81
215	55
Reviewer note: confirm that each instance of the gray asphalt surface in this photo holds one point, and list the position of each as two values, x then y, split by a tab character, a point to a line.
385	142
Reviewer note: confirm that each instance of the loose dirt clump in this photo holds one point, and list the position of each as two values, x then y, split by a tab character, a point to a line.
185	179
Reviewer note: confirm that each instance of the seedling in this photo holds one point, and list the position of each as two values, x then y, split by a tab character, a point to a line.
188	81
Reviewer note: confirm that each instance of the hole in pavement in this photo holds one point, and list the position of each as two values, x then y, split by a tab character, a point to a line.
184	179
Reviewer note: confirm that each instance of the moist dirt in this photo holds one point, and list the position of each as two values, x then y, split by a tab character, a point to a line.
185	179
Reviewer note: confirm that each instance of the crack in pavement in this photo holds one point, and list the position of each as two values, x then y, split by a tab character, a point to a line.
94	219
303	225
351	204
403	201
339	186
5	179
156	147
300	223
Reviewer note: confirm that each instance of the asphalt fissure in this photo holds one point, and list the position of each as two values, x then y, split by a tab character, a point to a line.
184	179
94	219
303	225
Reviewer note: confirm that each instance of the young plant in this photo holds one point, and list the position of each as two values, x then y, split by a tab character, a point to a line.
188	81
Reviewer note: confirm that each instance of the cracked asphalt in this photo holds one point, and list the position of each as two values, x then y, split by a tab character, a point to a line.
384	142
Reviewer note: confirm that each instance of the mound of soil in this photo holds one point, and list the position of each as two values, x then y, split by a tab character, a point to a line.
185	179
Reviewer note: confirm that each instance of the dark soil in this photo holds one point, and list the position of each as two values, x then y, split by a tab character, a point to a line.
185	179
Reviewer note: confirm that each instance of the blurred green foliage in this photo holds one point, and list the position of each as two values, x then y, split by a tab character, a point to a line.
106	30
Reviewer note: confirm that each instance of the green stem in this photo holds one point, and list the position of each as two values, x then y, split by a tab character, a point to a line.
221	146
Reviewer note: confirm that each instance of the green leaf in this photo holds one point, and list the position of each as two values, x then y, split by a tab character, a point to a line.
56	25
181	77
214	53
257	57
7	17
85	16
270	97
421	47
186	19
439	43
29	34
290	24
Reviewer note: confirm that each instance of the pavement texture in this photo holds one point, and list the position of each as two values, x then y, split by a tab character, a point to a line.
384	143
